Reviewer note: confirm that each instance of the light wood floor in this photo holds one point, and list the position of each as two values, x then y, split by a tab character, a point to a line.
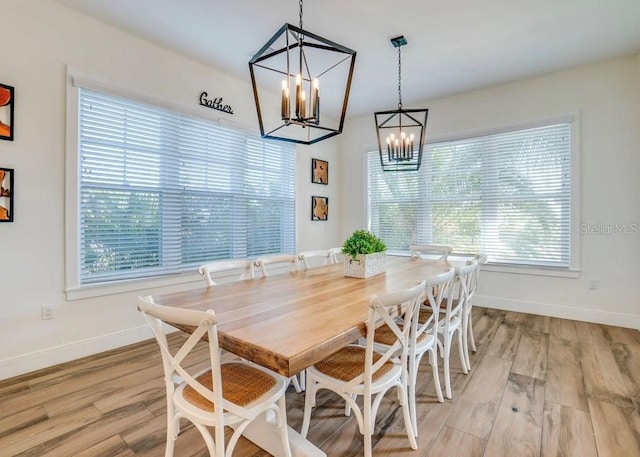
538	387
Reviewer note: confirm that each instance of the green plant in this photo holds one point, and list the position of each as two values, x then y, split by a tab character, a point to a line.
362	242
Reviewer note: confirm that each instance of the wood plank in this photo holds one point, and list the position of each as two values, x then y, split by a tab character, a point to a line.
565	382
70	444
505	342
518	426
111	447
531	356
475	409
430	418
567	432
629	336
486	327
602	377
452	443
52	429
538	324
593	333
563	331
616	429
22	419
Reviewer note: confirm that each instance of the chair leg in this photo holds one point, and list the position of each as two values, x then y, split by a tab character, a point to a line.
347	406
463	360
173	429
471	338
447	374
367	425
408	419
413	406
303	380
465	341
309	402
296	385
433	360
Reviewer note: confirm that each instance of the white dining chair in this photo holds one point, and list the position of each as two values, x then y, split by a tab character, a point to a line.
425	340
451	324
310	259
224	394
467	324
279	263
358	370
429	251
231	270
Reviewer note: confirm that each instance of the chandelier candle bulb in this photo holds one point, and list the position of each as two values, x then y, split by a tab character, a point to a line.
298	94
285	100
315	100
303	104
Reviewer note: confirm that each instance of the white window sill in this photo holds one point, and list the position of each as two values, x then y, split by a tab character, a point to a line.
99	290
515	269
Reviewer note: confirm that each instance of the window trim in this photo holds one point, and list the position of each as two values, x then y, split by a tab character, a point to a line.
573	270
76	79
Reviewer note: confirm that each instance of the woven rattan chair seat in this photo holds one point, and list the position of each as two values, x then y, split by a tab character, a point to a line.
242	384
348	362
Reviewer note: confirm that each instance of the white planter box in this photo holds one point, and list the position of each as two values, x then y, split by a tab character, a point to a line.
365	265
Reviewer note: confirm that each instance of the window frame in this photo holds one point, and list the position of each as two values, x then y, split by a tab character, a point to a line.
573	270
75	80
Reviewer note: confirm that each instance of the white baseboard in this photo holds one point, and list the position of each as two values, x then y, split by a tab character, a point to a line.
564	312
38	360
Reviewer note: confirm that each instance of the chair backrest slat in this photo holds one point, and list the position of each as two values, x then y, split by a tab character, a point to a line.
243	268
430	251
310	259
287	262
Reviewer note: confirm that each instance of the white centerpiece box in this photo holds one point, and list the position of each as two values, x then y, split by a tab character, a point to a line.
364	255
365	265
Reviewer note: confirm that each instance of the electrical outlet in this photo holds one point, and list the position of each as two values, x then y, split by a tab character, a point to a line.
593	284
47	312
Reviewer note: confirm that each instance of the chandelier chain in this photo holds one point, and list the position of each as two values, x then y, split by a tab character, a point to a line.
300	4
399	79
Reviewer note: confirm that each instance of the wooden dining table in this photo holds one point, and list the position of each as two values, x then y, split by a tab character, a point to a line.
288	322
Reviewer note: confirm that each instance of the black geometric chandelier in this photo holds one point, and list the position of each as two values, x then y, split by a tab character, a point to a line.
403	129
295	62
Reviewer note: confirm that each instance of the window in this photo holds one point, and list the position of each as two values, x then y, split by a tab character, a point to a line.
160	192
507	195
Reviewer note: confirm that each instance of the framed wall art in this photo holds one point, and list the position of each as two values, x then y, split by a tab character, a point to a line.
319	171
319	208
6	195
7	102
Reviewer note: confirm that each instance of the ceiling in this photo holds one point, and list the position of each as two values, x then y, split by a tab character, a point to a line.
453	45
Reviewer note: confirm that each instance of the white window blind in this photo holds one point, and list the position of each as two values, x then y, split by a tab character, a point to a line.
507	195
161	192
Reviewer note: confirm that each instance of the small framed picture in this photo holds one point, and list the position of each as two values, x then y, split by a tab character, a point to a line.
6	195
319	171
319	208
7	102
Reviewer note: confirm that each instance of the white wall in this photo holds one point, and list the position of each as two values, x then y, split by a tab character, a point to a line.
607	98
40	39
